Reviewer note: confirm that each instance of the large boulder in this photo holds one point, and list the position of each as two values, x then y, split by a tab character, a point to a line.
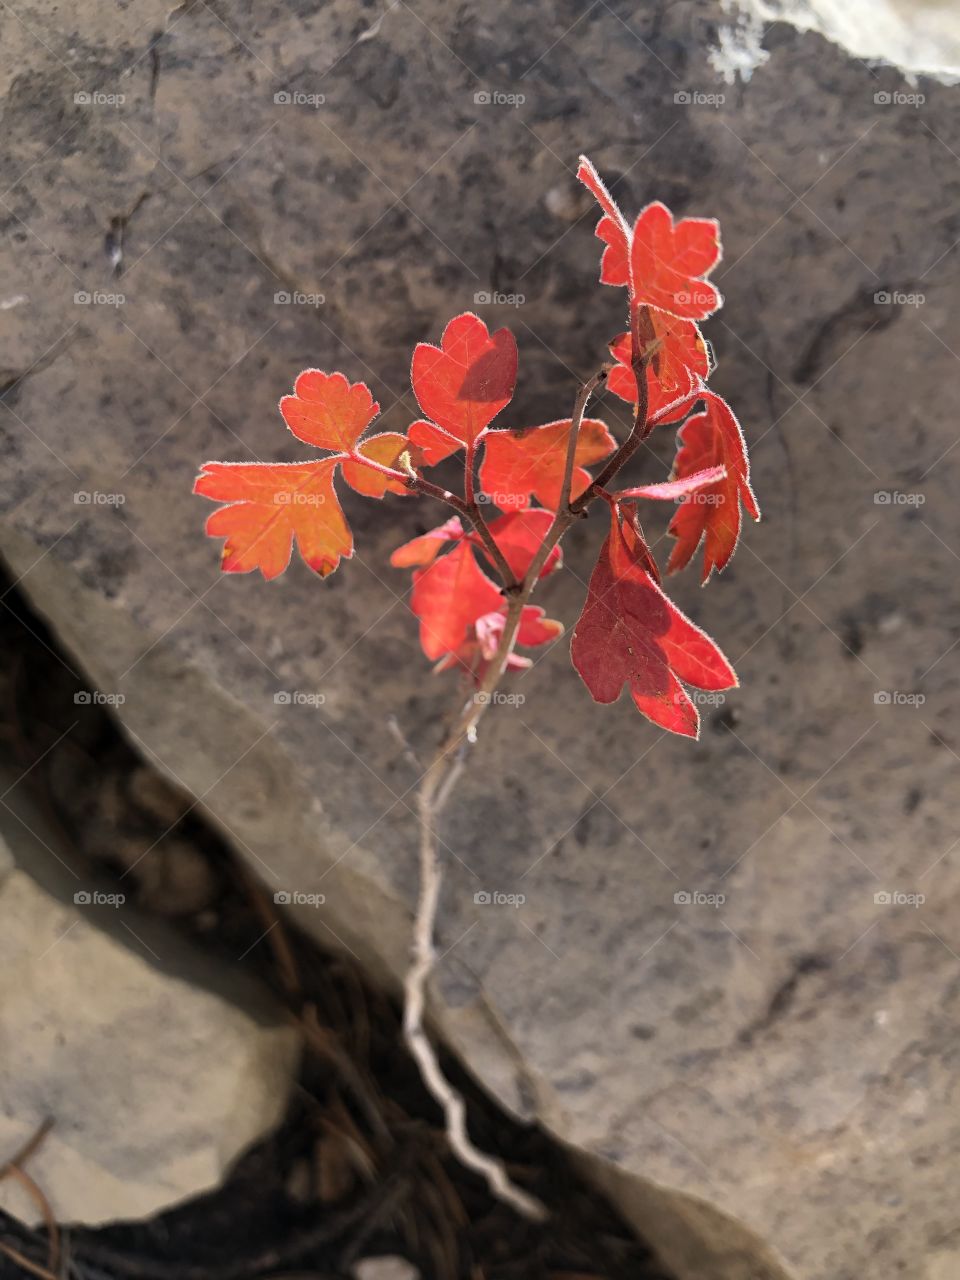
765	1081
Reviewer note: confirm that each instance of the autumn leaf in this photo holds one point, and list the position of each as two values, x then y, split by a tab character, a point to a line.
708	439
668	262
430	444
661	262
672	379
675	490
270	507
631	634
327	411
518	465
462	614
385	449
464	383
611	229
518	534
421	551
448	596
535	629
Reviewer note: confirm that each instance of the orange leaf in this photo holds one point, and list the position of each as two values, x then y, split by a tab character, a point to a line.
270	506
328	411
385	449
518	465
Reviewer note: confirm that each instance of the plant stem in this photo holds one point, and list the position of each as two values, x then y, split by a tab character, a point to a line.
469	510
433	791
436	782
576	421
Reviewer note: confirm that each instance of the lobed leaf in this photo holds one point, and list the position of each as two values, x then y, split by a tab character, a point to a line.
631	634
525	464
328	411
708	439
270	507
465	382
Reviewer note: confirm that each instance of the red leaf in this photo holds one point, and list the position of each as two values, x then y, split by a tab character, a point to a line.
425	549
518	465
535	629
385	449
463	384
711	438
631	633
519	535
431	444
611	229
674	490
668	262
674	373
270	505
328	411
448	596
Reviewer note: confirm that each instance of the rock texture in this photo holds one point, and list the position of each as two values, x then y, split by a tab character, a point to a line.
153	1084
769	1084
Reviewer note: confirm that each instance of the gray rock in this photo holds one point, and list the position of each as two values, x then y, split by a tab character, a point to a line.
153	1084
764	1083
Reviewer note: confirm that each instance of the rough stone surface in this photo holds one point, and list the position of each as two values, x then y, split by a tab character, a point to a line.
769	1085
153	1084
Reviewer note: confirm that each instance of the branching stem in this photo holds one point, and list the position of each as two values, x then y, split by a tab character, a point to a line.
437	781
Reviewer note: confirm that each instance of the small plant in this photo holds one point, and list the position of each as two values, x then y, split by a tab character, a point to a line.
473	576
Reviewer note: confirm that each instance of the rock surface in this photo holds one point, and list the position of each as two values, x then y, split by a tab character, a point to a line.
153	1085
768	1083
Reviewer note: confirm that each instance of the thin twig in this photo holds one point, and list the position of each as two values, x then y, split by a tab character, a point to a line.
22	1261
579	408
438	779
29	1147
433	784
